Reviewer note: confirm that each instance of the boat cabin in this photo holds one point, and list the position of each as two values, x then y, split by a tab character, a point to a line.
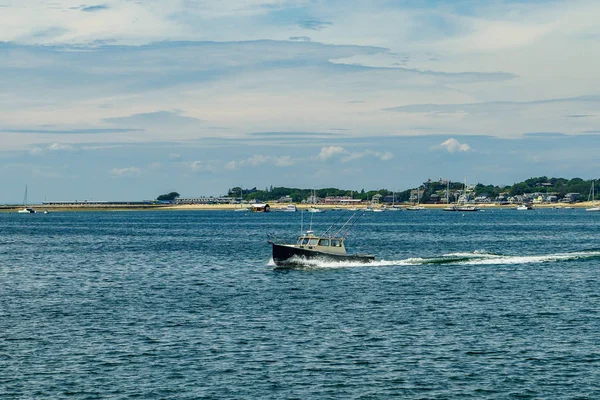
260	207
325	244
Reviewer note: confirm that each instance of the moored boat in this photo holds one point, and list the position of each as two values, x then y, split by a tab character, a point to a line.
592	197
288	208
26	209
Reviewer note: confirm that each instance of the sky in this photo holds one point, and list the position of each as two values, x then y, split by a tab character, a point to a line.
129	99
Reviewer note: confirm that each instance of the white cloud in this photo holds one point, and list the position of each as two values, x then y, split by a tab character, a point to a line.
61	147
231	165
35	151
383	156
328	152
284	161
123	172
452	146
201	166
257	159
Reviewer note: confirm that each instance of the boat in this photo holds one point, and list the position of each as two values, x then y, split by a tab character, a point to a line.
592	198
418	206
26	210
326	247
315	210
449	207
288	208
524	207
463	207
241	208
46	212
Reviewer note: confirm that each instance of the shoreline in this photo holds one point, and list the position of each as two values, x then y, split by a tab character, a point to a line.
224	207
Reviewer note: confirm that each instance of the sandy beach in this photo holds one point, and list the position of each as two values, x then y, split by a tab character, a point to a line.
274	207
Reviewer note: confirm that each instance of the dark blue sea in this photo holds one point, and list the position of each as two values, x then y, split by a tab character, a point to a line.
501	304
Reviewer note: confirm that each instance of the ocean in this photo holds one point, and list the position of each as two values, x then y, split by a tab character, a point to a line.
501	304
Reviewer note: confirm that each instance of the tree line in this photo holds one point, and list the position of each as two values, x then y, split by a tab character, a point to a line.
542	184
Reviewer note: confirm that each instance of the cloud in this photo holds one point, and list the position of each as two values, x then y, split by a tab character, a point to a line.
54	147
173	118
452	146
383	156
99	7
257	160
291	134
201	166
331	151
61	147
126	172
95	131
284	161
300	38
315	25
483	107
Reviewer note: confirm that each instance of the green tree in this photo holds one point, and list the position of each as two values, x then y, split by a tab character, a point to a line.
168	197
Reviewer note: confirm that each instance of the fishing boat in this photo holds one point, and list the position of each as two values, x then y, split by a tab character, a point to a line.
591	198
328	246
26	210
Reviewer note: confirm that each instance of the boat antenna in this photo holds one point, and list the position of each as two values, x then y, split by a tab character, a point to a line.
301	222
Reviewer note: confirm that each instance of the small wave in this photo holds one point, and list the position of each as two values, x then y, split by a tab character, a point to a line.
474	258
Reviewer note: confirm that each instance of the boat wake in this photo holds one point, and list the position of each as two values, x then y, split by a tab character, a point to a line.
474	258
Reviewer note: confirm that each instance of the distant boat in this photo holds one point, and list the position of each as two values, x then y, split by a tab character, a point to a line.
591	197
242	208
418	206
288	208
26	210
464	207
524	207
315	210
452	207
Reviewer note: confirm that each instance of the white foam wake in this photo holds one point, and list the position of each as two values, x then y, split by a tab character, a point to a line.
473	258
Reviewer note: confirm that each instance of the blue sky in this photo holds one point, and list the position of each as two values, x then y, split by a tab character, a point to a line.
123	99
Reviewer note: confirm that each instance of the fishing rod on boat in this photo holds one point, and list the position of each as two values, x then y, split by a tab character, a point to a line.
343	231
334	224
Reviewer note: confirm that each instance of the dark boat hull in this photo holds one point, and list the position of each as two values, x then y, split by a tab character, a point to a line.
290	256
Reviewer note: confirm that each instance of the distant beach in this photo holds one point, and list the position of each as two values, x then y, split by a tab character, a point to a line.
274	207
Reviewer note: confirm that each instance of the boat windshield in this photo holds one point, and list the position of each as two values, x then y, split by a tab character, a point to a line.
313	242
324	242
336	243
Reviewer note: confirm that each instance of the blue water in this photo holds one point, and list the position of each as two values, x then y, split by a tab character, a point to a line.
499	304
